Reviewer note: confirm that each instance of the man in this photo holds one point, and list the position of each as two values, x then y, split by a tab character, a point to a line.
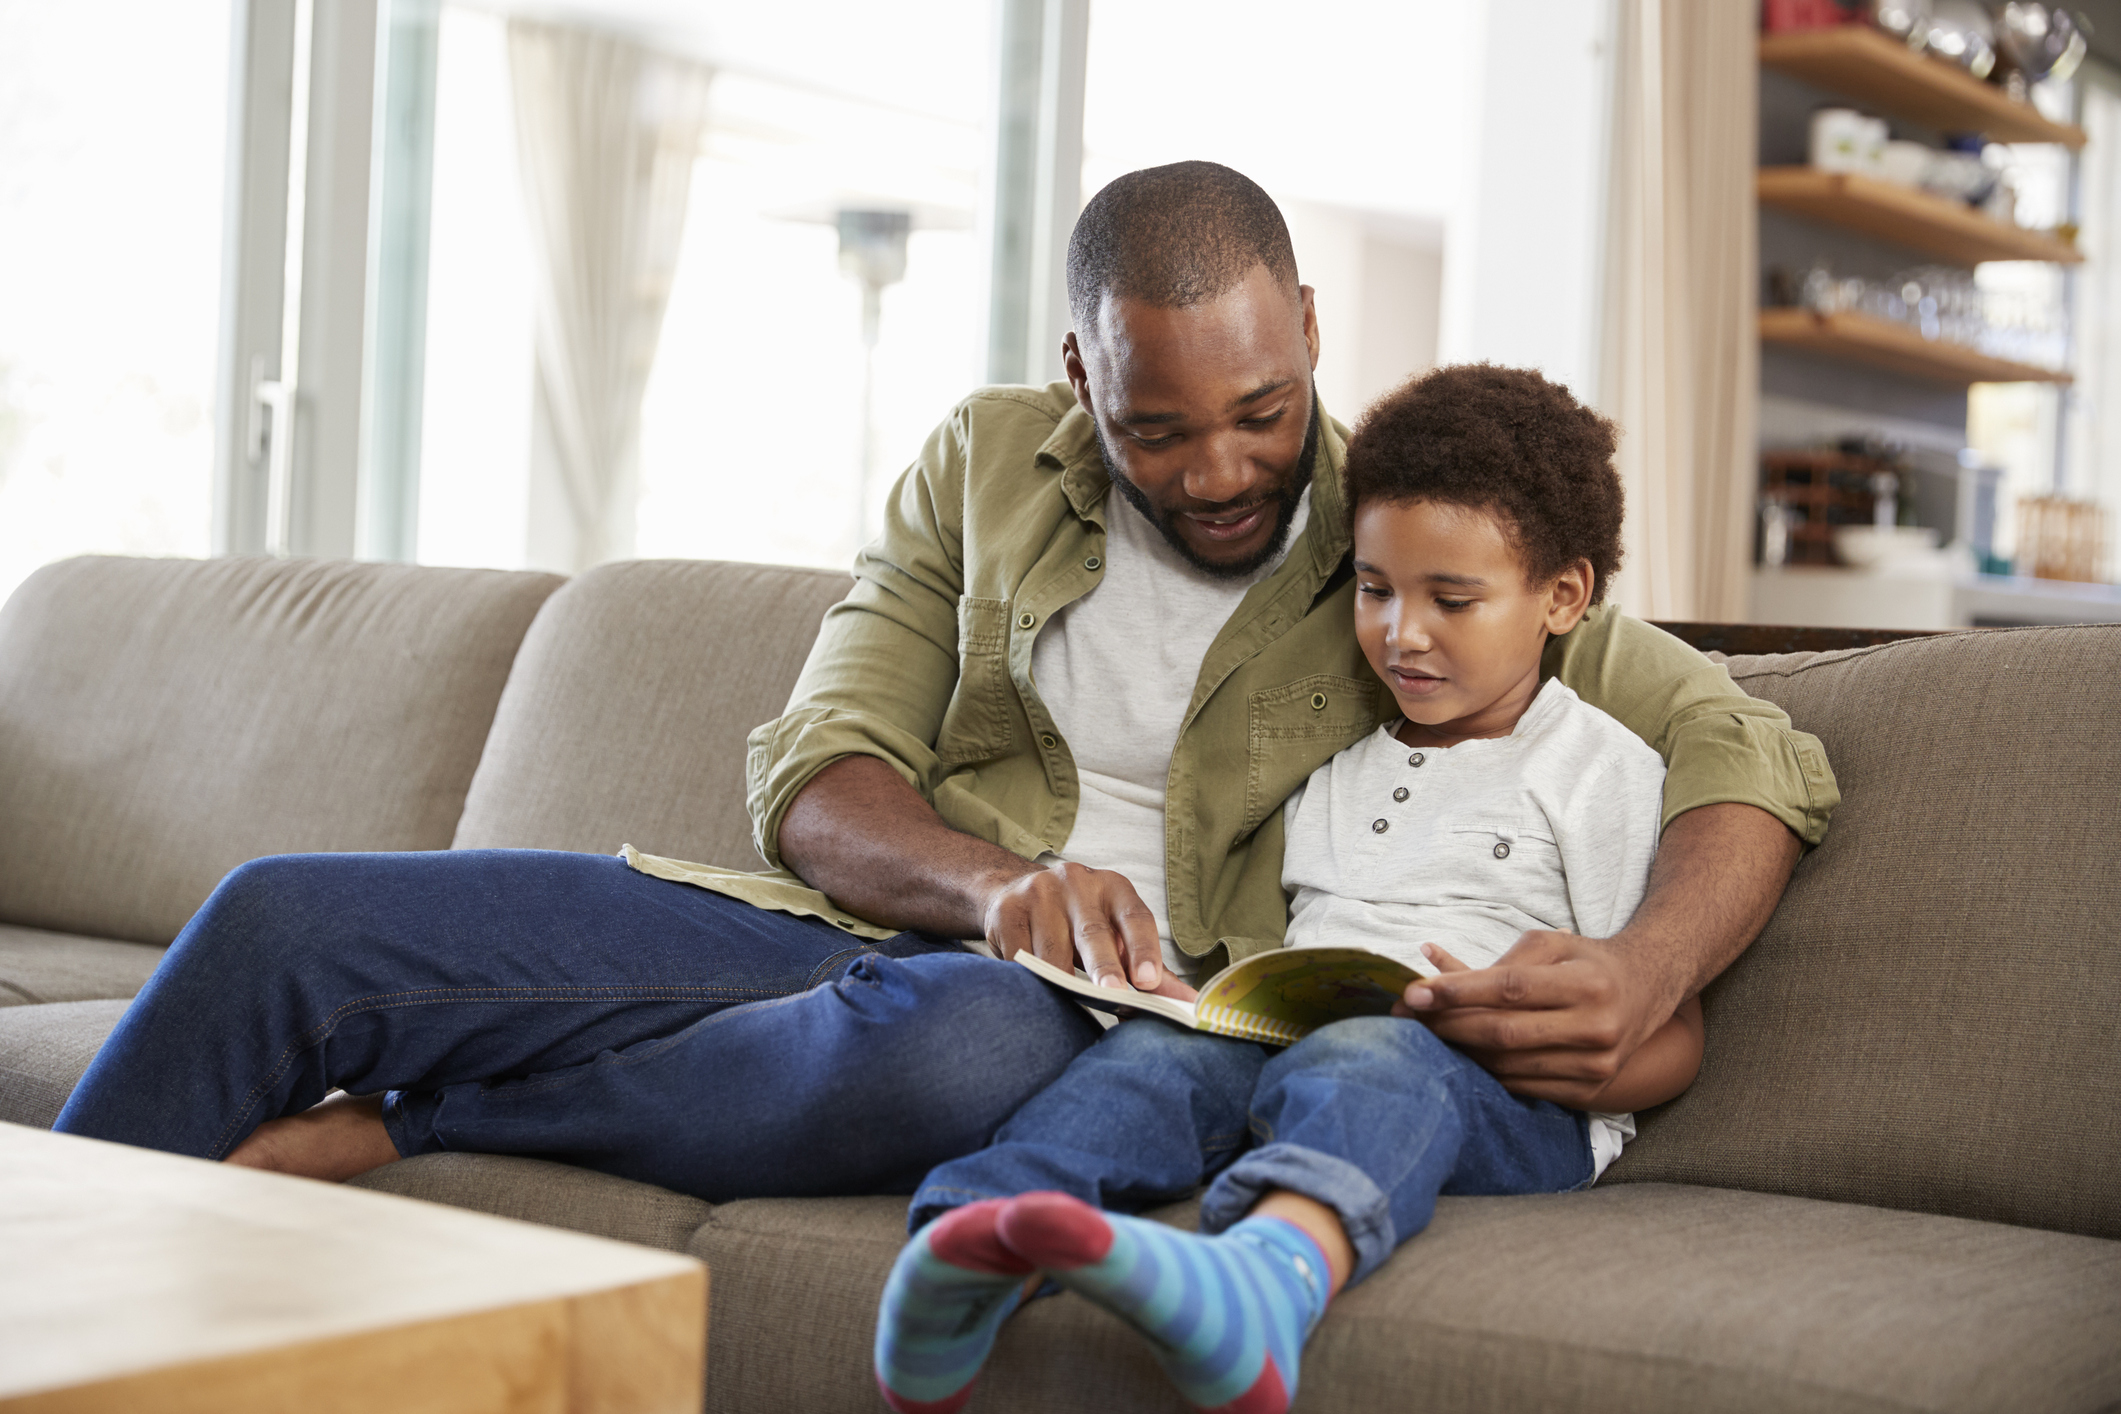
1045	717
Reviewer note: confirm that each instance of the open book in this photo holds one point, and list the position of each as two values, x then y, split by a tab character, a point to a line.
1275	997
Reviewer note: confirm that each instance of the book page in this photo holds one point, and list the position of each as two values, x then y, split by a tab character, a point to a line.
1113	999
1281	997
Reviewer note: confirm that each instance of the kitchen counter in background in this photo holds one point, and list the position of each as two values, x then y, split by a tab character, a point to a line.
1844	598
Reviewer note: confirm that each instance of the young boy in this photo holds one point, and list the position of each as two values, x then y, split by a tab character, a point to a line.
1486	517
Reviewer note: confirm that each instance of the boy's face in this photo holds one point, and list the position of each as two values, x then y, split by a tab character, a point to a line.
1445	615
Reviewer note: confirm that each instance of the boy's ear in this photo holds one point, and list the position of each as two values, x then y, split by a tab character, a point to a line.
1569	597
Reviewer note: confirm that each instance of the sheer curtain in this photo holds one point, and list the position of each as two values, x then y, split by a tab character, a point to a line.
1681	355
606	136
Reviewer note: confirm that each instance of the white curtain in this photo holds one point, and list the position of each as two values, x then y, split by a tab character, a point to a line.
606	136
1681	356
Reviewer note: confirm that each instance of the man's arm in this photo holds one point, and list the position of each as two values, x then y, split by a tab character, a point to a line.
860	834
1558	1016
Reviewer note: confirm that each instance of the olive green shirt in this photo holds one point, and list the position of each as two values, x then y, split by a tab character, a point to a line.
1000	523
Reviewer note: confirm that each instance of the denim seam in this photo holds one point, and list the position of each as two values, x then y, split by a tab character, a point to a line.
430	995
646	1052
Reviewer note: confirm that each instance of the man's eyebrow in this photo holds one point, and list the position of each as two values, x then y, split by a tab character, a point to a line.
1273	385
1154	419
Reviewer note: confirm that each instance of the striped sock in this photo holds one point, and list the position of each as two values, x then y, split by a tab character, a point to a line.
1228	1314
946	1299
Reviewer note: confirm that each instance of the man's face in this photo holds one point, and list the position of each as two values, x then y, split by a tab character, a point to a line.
1205	415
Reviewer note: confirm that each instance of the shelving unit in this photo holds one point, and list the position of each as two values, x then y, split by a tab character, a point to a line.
1859	339
1878	70
1949	230
1827	490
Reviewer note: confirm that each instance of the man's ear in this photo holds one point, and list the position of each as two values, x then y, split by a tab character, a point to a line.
1569	597
1306	294
1078	376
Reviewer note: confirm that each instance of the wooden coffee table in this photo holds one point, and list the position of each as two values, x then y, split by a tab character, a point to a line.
132	1280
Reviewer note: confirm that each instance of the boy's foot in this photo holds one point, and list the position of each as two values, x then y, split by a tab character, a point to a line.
949	1292
1228	1314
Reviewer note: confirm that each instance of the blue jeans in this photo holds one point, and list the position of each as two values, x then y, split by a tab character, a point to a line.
1372	1117
563	1005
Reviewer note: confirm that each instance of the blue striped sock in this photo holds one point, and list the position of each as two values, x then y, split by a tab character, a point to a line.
1228	1314
948	1294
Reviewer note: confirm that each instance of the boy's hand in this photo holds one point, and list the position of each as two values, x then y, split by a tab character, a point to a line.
1554	1019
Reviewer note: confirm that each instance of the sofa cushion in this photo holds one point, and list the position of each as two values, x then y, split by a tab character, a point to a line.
624	720
162	721
1639	1298
557	1195
37	966
43	1052
1928	1021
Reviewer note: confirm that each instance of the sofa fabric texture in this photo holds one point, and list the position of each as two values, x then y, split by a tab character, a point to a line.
557	1195
1929	1021
43	1052
1634	1300
166	720
38	966
624	721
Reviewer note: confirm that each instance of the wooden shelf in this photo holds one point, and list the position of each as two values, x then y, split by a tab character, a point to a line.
1863	64
1857	338
1951	230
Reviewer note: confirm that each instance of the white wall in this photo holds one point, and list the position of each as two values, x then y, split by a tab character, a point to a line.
1523	261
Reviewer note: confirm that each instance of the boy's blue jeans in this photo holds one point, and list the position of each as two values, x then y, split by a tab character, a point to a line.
563	1005
1372	1117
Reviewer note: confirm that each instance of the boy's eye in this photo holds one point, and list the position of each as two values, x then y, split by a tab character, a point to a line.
1454	605
1375	591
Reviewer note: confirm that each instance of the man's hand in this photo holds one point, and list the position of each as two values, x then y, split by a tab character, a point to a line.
859	833
1065	911
1559	1015
1554	1019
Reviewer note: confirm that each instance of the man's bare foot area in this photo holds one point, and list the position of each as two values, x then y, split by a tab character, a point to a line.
337	1139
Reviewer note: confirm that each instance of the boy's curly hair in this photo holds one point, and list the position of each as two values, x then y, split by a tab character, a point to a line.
1503	440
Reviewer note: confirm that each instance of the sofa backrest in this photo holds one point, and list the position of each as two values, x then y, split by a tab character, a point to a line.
624	720
1932	1020
162	721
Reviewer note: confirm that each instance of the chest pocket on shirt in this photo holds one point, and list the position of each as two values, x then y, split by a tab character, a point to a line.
977	724
1296	728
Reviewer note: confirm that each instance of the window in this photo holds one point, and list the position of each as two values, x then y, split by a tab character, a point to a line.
111	145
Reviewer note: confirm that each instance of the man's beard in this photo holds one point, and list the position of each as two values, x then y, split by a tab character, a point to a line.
1284	500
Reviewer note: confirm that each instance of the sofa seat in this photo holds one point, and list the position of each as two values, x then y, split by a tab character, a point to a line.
43	1051
40	966
1639	1298
557	1195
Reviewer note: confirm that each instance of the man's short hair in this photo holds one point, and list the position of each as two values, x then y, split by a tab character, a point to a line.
1172	237
1502	440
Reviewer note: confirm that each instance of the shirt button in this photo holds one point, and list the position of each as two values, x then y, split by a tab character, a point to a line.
1502	849
1048	740
1093	563
1416	759
1025	620
1318	702
1400	794
1378	827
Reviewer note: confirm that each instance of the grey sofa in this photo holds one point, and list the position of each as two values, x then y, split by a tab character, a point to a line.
1896	1185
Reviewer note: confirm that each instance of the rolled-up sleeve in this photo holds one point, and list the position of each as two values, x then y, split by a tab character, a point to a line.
880	675
1719	746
